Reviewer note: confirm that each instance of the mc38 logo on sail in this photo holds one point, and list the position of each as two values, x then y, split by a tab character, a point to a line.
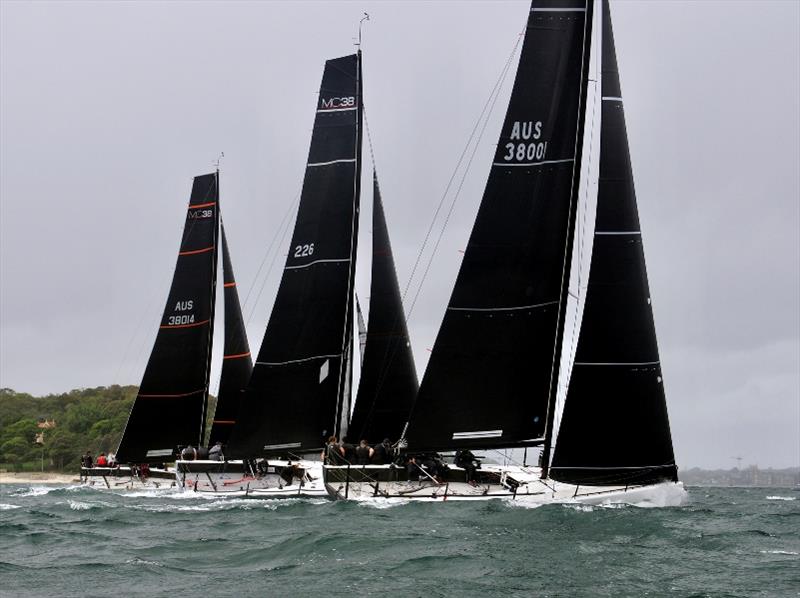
337	103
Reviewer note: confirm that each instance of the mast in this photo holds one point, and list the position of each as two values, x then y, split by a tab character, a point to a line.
388	382
565	277
487	383
213	302
237	364
170	405
615	402
346	365
295	396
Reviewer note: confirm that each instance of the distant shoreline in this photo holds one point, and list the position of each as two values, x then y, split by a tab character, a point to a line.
32	477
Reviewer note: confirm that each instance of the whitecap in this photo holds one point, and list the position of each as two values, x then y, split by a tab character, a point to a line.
789	552
138	561
579	507
77	505
384	503
7	507
781	498
227	504
34	491
522	504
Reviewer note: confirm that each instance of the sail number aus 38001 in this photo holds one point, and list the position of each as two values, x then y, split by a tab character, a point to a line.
525	144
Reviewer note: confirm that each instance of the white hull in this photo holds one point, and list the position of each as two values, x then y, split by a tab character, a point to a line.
523	486
123	478
234	479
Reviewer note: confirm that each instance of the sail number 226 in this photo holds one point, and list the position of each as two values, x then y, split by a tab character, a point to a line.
304	250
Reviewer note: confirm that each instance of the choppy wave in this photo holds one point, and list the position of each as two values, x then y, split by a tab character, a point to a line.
164	543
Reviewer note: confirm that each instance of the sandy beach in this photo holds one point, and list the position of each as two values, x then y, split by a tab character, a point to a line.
38	478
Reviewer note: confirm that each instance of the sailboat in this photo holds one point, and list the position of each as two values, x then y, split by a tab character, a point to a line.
299	390
170	408
493	377
299	394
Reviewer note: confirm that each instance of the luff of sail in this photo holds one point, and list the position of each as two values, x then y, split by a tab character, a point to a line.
388	384
615	428
237	364
489	374
169	409
295	397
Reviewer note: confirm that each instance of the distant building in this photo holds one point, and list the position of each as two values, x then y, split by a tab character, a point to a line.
44	424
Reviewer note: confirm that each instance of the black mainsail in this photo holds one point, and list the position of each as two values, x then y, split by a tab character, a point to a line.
297	393
237	365
615	428
490	371
170	407
388	383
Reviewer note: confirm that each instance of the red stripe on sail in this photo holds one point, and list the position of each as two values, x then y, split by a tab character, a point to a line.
192	325
194	251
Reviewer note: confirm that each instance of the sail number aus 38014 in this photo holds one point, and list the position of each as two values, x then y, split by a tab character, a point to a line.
180	319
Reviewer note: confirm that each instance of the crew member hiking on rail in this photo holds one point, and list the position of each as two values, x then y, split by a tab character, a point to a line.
381	454
363	453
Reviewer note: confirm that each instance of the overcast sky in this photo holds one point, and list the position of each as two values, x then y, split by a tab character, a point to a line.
107	111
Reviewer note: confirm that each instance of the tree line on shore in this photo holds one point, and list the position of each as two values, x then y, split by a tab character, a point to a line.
53	431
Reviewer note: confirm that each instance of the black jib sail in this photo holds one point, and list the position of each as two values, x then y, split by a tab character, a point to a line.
615	428
237	365
489	374
296	395
170	408
388	383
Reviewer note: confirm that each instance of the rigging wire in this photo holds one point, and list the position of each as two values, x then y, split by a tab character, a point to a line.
280	233
488	105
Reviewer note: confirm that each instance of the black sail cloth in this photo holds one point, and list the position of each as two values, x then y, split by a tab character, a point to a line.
615	428
489	373
295	395
170	407
388	384
237	364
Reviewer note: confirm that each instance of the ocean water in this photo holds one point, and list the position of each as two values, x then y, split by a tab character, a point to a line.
73	541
